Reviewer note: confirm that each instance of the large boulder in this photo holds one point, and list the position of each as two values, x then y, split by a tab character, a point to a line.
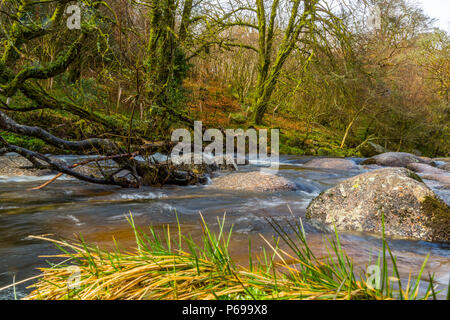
332	163
411	209
253	182
395	159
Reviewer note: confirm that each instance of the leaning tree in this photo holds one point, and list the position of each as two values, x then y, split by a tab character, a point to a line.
27	26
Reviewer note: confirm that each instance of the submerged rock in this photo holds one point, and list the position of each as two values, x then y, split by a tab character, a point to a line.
332	163
395	159
253	181
18	166
411	209
15	166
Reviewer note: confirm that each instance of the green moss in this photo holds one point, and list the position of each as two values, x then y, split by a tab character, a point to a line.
439	214
316	143
414	176
24	142
327	152
238	118
284	149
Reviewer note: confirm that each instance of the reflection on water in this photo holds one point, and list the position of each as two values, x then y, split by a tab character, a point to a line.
69	207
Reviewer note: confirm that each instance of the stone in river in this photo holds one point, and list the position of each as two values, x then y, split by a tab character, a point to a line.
431	173
371	149
253	181
425	168
332	163
396	159
411	209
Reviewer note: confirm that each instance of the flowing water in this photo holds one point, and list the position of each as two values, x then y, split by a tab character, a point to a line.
69	207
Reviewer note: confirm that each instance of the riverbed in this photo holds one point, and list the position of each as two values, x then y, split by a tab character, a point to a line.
69	207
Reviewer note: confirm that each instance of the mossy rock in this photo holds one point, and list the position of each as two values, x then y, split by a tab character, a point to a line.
411	210
371	149
439	216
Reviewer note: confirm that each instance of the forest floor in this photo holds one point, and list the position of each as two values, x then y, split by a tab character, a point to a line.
209	103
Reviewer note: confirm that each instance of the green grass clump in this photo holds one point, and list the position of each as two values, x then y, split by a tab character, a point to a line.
167	267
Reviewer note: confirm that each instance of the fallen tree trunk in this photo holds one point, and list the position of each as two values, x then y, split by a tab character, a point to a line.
102	145
34	156
82	164
140	173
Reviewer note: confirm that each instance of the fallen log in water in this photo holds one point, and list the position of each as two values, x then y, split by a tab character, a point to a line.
137	173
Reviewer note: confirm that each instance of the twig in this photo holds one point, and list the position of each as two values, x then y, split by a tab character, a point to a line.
131	155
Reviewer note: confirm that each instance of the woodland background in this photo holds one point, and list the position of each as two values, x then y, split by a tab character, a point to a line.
319	70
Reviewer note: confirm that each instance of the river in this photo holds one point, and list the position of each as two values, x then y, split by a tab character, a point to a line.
69	207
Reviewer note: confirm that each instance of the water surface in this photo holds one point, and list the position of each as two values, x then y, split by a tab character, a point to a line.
69	207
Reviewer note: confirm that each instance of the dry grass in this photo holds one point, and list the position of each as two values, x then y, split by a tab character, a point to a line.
160	269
